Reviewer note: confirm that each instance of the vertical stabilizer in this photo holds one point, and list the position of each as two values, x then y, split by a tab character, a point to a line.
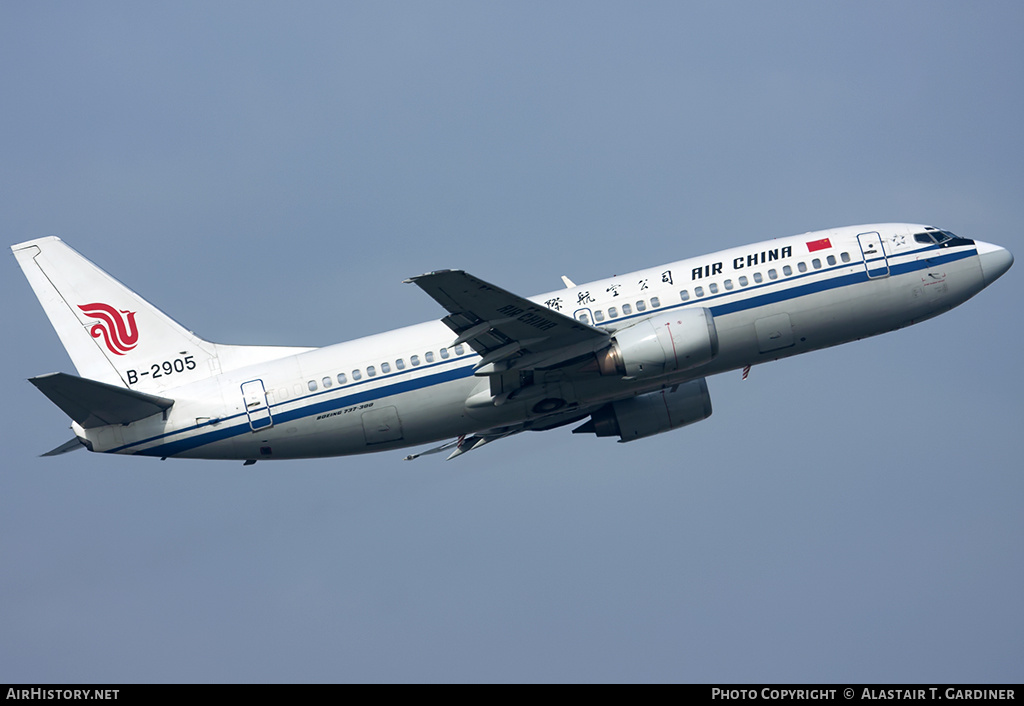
111	333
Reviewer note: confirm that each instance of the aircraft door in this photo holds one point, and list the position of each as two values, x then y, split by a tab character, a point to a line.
254	396
874	255
585	315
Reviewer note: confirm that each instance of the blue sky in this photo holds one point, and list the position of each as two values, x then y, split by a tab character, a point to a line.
267	173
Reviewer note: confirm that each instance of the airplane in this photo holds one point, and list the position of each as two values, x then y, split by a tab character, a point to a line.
627	356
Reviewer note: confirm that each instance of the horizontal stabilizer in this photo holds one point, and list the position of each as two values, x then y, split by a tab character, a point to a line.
97	404
72	445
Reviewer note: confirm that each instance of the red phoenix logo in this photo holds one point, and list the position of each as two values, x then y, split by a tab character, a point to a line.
117	328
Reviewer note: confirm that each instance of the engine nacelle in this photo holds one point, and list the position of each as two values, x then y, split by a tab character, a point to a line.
669	342
652	413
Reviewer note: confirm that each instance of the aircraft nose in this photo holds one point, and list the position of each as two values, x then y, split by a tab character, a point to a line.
995	261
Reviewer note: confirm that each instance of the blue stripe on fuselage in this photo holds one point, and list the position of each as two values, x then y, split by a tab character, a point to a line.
831	283
790	292
209	437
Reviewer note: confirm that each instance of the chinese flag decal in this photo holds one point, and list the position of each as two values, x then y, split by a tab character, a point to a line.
815	245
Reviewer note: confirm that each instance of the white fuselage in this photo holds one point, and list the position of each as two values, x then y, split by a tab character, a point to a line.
412	386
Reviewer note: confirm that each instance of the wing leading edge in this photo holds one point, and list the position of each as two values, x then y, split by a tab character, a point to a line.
508	331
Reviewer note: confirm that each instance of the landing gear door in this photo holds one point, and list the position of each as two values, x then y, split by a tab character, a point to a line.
254	396
875	261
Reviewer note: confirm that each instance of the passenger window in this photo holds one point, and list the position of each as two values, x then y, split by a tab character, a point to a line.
758	278
641	305
400	364
627	310
585	319
311	385
415	360
459	350
385	368
342	379
816	263
357	374
698	292
743	280
598	316
845	257
370	371
831	259
684	295
444	353
655	302
802	266
713	288
787	270
728	284
429	356
772	274
612	312
327	382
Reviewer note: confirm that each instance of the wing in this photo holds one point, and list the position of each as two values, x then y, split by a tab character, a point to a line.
464	444
508	331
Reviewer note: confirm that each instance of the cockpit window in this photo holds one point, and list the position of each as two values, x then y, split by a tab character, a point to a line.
935	237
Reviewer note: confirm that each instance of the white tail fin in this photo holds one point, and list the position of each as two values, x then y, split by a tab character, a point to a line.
115	336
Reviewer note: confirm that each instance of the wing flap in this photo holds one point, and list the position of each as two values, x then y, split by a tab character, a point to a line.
465	444
96	404
508	331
